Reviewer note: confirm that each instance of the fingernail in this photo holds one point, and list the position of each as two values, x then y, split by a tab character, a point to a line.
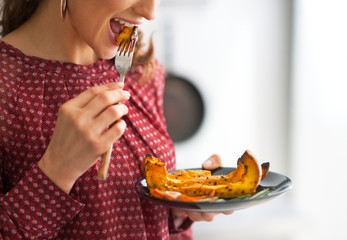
127	94
207	164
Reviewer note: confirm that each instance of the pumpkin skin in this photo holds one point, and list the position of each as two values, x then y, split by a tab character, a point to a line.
196	183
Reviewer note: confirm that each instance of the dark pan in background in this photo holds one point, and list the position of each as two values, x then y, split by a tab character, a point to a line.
183	107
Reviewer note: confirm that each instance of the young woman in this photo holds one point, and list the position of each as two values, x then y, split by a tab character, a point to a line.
59	92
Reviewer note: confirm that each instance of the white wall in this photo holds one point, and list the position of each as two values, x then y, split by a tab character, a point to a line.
320	117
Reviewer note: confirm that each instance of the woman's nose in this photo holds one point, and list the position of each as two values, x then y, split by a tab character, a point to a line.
147	8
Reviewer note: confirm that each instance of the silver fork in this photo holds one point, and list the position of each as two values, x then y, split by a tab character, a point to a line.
124	56
123	61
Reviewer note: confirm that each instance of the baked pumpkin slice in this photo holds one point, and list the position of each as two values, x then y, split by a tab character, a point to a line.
197	183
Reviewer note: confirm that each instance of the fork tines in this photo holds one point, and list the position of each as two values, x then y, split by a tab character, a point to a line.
126	46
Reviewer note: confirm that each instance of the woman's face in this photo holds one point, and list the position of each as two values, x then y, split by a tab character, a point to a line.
96	22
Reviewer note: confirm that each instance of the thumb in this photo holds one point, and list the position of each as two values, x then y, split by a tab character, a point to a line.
212	162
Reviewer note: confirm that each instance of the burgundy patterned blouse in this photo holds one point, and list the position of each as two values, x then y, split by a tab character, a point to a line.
31	206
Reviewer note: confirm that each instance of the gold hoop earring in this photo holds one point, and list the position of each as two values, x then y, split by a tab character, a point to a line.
63	7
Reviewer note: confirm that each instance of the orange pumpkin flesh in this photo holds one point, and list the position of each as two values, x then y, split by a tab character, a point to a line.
194	183
125	36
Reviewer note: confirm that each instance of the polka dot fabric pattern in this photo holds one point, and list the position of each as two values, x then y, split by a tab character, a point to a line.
31	206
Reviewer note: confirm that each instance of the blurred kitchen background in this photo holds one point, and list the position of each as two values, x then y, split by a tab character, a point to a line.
269	76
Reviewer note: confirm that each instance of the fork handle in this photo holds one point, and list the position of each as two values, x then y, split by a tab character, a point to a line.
121	77
104	164
105	161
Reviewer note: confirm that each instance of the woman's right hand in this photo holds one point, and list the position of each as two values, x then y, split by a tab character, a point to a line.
80	134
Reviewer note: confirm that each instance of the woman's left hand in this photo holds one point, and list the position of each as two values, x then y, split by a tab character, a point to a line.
211	163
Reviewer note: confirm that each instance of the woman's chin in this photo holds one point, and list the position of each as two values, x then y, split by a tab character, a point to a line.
107	53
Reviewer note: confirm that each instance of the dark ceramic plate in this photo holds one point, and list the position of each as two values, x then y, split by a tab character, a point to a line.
278	183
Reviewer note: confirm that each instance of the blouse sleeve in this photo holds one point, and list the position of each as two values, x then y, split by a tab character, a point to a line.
35	208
